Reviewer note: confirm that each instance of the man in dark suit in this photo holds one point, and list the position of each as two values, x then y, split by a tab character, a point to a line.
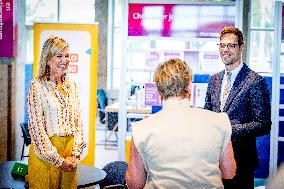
244	96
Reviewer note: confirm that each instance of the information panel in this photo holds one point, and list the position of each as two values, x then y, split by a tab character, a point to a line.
83	49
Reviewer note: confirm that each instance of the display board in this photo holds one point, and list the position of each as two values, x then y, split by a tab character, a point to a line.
83	49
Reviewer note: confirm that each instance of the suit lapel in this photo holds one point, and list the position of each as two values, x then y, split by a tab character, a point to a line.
217	89
237	86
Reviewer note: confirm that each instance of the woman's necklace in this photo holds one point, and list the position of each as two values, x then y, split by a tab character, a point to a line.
59	93
62	96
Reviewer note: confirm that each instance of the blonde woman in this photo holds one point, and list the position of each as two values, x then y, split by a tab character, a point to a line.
55	122
180	146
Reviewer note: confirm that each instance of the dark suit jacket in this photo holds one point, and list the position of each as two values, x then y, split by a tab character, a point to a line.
248	107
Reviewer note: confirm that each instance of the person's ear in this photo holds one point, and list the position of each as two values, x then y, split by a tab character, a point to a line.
242	47
189	88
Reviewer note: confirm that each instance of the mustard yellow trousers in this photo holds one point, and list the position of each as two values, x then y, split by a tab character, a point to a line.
44	175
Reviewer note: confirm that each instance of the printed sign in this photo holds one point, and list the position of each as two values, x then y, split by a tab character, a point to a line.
192	59
210	61
169	55
179	20
152	97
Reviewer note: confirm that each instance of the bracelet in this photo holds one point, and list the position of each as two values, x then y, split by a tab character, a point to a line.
76	156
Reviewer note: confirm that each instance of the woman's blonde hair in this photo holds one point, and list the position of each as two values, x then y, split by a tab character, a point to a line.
52	46
172	78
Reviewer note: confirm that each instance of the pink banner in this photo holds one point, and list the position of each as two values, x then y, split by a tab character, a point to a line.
8	28
179	20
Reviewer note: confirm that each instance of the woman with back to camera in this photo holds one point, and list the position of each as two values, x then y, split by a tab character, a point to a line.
55	123
180	146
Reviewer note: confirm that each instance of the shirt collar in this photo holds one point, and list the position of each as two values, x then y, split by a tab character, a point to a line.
236	70
174	102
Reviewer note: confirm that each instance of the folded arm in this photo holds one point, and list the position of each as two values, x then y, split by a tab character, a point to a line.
40	140
79	143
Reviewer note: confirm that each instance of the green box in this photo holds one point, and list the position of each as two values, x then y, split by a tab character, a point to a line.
20	169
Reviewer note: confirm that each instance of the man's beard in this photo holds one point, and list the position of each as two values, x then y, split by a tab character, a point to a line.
230	61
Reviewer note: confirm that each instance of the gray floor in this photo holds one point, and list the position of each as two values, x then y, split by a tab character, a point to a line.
104	154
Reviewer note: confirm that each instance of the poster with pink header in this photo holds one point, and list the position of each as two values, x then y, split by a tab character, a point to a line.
179	20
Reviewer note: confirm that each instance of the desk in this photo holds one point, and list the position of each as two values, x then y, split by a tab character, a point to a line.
87	176
133	111
129	108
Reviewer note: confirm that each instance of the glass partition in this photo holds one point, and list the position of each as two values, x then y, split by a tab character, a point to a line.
261	35
261	50
41	11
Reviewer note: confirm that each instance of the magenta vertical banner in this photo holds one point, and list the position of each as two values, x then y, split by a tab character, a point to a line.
8	28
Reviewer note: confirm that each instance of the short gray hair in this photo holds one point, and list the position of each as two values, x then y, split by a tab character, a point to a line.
172	78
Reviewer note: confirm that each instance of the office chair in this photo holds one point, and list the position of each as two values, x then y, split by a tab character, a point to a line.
110	119
115	175
133	89
27	138
102	103
112	126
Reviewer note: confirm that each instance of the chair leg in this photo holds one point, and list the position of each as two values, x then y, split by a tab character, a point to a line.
107	137
112	131
115	132
23	151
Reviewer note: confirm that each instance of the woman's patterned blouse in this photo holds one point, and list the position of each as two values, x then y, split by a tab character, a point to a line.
52	114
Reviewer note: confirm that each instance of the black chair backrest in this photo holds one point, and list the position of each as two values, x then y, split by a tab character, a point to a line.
26	134
101	99
115	174
102	103
112	120
133	89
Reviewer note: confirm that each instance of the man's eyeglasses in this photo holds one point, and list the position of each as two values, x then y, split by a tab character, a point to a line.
228	45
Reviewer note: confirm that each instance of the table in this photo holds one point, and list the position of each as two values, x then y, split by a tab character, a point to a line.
138	109
87	176
133	111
